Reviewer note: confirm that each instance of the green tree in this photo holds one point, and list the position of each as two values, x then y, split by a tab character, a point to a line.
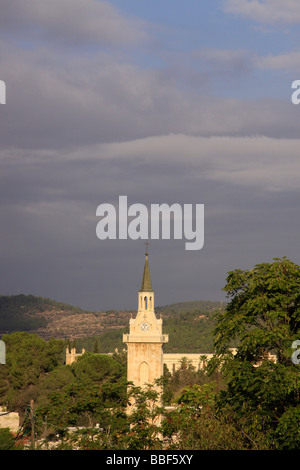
94	385
28	358
144	418
6	439
198	396
198	424
185	363
97	368
263	315
138	430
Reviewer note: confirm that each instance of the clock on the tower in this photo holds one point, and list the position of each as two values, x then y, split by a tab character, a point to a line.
144	326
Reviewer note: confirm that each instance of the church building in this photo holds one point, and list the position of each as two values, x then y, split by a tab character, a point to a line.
145	339
145	356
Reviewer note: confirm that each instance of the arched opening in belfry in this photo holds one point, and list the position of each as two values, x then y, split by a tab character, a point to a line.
146	302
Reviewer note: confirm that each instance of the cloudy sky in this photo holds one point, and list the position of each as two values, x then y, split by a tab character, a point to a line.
161	101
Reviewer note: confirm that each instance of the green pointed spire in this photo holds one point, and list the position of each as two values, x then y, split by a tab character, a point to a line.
146	283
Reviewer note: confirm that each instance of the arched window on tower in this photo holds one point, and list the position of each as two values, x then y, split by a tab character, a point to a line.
146	302
144	373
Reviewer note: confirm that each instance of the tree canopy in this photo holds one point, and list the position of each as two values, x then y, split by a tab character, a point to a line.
245	399
264	316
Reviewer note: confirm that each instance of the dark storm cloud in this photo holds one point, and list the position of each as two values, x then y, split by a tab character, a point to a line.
50	215
86	101
85	122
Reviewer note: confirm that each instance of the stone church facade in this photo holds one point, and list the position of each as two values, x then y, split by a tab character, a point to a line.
145	339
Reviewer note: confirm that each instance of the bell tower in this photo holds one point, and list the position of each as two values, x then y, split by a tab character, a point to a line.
145	339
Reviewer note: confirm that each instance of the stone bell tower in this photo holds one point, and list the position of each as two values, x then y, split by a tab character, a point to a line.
145	339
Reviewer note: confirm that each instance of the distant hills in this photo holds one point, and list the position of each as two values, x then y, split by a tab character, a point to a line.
190	306
24	312
50	318
189	324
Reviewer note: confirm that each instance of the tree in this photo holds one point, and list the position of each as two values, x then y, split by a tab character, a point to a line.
197	424
138	430
94	392
28	358
263	316
6	439
144	418
186	363
198	396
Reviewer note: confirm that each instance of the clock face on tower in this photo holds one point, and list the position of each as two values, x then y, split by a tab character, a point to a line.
144	326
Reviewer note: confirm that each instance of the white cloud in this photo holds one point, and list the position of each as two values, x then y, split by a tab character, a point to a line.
267	163
266	11
254	162
290	60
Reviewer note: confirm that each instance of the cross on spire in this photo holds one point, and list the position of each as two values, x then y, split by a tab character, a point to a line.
147	244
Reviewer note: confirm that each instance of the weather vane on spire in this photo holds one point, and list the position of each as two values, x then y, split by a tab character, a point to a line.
147	244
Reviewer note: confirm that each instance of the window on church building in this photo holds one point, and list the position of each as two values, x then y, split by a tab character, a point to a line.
146	302
144	373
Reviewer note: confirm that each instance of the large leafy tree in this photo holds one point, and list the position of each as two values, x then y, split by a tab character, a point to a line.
263	312
28	358
262	317
196	423
98	383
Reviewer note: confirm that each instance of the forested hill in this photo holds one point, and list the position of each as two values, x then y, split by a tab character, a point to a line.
190	306
25	312
190	327
189	324
51	319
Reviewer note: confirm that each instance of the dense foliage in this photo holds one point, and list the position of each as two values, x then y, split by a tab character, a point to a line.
189	324
17	311
264	312
7	441
243	401
190	331
28	359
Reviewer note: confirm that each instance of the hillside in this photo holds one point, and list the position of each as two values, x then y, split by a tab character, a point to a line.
28	312
49	318
189	306
190	327
189	324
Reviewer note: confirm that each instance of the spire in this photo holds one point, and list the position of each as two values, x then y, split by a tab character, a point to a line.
146	283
